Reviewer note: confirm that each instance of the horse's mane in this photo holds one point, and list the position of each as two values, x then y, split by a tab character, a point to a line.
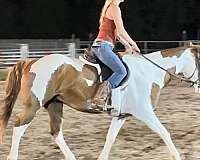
173	51
178	50
170	52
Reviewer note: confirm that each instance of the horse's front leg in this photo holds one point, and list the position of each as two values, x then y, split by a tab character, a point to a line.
153	122
111	136
55	110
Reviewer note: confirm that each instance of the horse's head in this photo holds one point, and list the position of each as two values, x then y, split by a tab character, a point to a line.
189	64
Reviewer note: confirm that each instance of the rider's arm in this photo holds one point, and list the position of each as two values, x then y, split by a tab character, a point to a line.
122	35
123	41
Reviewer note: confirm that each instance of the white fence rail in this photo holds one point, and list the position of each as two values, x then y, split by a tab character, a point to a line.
10	57
10	53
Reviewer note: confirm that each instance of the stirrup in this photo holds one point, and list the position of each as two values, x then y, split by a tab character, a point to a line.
104	107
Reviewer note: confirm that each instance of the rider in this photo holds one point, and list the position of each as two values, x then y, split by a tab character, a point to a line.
111	28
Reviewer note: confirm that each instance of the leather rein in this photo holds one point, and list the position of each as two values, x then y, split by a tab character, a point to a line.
179	77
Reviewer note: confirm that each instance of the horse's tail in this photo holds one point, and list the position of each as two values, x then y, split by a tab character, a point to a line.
13	85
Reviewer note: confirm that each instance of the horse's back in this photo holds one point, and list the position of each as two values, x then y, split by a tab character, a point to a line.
50	63
60	75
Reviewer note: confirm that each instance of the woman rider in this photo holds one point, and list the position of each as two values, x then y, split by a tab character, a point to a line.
111	28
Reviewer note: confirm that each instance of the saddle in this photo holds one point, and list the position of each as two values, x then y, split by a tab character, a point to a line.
106	72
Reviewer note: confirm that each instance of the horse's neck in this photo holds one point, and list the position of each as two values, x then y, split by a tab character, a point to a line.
167	58
142	69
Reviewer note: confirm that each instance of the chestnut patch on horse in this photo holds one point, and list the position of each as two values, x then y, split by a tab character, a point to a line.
168	77
172	52
26	80
29	101
70	87
155	92
30	105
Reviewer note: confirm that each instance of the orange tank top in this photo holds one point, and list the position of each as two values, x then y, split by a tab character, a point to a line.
107	30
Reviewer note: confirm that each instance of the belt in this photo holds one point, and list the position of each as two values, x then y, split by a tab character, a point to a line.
97	43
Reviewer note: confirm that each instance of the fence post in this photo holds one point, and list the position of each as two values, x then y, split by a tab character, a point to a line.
72	49
184	37
145	47
24	51
198	34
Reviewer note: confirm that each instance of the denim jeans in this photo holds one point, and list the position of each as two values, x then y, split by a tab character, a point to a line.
105	54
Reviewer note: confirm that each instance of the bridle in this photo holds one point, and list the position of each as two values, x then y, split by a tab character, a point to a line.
197	63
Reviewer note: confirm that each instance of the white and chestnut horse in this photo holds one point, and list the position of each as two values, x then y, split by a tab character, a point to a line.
55	80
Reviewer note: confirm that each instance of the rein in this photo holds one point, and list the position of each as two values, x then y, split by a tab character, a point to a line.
176	76
187	80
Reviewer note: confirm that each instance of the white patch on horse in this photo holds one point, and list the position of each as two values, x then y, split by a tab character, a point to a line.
186	64
89	82
45	67
142	75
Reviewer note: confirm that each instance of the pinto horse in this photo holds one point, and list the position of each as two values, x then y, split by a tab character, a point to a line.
55	80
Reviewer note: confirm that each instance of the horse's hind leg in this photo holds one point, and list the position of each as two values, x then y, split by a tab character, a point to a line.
23	121
113	131
17	134
55	110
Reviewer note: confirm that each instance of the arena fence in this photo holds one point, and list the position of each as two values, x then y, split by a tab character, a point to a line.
12	51
9	57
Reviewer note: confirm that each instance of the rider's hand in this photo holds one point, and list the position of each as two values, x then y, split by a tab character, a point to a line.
129	50
135	48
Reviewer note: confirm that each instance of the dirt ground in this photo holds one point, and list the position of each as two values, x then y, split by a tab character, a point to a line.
85	134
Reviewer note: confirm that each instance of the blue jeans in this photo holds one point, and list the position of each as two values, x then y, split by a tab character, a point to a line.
105	54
